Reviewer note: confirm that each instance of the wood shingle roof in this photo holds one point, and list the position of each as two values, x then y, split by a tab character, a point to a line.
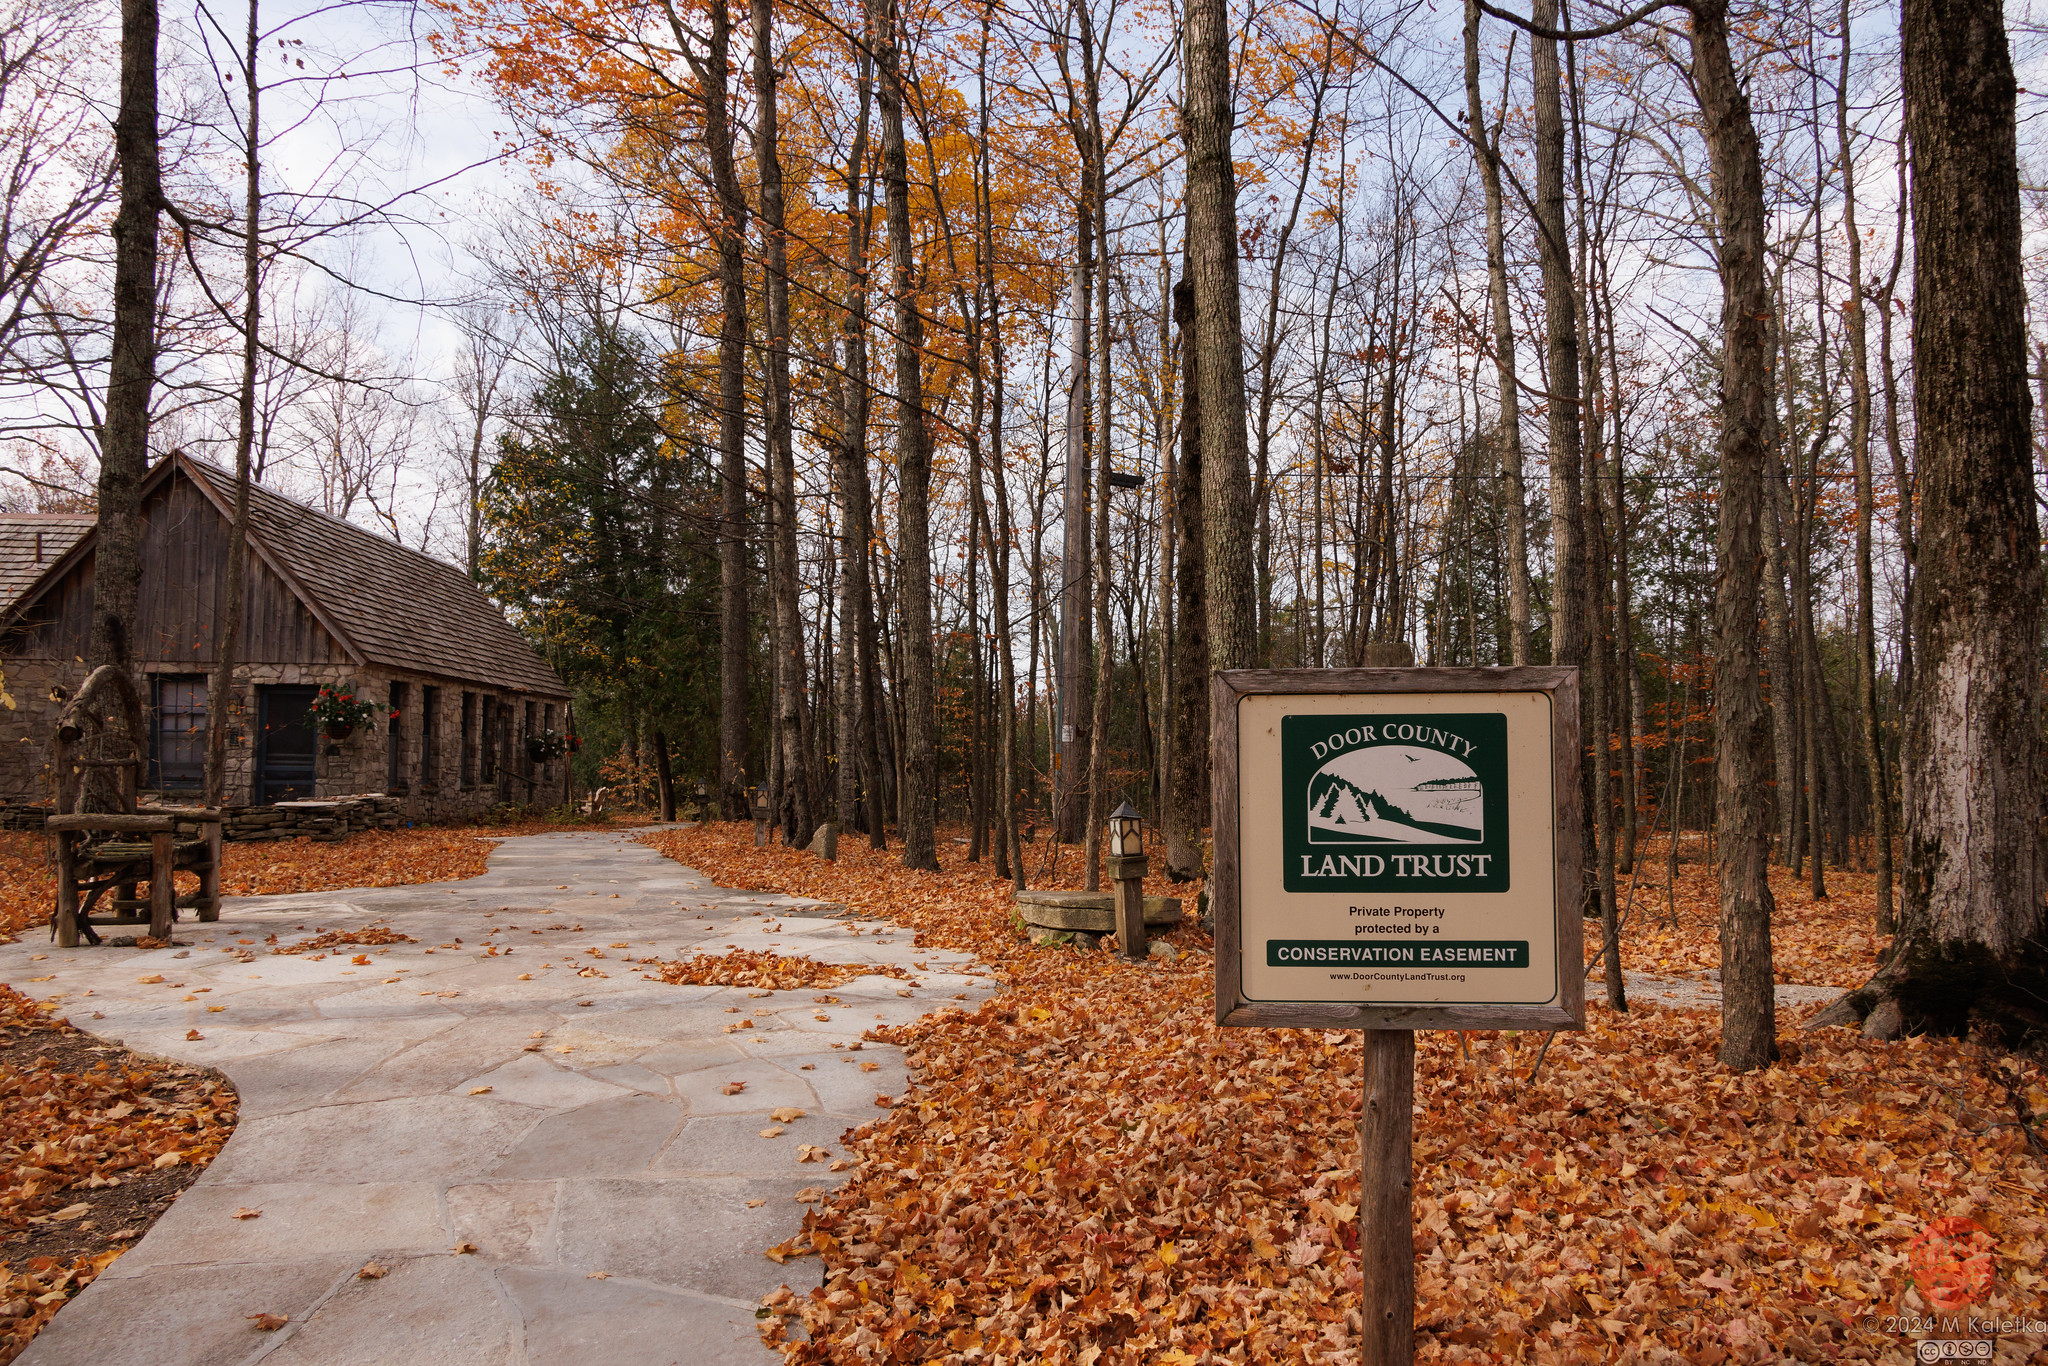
30	542
383	603
393	605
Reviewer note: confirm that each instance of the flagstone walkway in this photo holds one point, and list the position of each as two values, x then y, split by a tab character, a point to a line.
548	1107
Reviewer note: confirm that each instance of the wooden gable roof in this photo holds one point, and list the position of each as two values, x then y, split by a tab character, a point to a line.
372	600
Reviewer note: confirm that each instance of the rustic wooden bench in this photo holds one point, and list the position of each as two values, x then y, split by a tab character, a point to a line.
100	732
88	869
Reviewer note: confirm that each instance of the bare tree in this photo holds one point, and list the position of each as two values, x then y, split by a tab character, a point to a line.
55	173
490	341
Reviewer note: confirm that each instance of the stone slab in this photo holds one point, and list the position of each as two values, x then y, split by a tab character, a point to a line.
425	1311
192	1315
639	1325
694	1233
454	1137
1092	912
357	1220
610	1137
507	1220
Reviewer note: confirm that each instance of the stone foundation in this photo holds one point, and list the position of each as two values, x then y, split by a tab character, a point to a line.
327	820
464	760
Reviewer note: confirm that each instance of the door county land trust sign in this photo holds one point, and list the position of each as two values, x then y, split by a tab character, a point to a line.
1398	844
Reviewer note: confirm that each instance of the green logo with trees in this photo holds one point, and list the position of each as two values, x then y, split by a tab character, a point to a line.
1395	803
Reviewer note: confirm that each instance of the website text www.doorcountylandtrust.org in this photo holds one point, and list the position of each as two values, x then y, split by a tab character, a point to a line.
1397	976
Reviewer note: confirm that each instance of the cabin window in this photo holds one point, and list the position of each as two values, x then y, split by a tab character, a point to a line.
493	728
394	773
430	704
532	710
178	739
468	738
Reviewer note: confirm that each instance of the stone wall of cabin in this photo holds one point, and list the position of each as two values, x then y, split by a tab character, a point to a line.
477	759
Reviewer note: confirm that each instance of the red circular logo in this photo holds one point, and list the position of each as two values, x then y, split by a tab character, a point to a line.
1951	1263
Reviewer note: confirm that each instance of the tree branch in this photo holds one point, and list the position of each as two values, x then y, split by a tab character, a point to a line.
1580	35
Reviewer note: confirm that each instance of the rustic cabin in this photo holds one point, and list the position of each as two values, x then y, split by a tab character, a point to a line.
469	716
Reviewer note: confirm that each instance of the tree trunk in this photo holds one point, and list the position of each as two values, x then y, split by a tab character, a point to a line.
1009	854
1749	995
797	811
1074	592
1105	645
915	810
1629	688
131	367
1486	151
1219	360
735	641
1188	791
1971	954
1561	333
227	636
1784	698
1269	354
876	765
1601	644
664	776
1561	375
1895	451
855	772
977	705
1601	705
1869	732
1163	437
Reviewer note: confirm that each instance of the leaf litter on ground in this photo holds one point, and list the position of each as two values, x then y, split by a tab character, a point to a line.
762	968
94	1142
1088	1170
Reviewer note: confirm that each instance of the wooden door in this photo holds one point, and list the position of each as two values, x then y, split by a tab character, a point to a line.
284	744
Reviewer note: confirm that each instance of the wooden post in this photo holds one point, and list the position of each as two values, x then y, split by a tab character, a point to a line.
162	894
1128	874
209	877
1386	1204
67	890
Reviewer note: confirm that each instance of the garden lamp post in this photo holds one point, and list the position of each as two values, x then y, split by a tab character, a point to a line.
1127	869
760	818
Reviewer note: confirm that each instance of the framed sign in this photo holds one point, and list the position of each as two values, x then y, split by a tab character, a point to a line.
1397	848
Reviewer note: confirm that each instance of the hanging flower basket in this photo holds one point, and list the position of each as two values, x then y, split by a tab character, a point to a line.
338	712
545	746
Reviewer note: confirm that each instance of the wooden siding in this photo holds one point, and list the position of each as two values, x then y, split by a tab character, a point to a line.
184	568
